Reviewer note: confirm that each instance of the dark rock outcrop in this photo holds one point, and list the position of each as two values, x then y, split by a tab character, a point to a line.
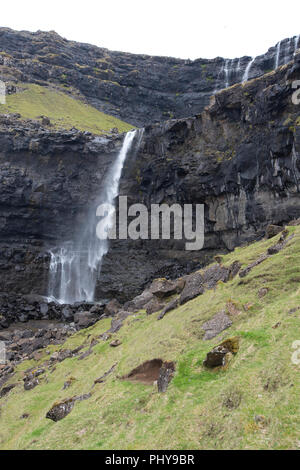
240	158
61	409
139	89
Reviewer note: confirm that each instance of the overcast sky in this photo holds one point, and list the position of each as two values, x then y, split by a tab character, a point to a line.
185	28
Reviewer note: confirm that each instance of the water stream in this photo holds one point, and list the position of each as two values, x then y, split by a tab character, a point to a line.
75	264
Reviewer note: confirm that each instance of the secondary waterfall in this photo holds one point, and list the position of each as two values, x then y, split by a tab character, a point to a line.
277	55
247	70
75	265
296	43
226	71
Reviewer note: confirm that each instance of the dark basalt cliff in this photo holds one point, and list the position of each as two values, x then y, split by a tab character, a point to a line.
47	179
139	89
240	157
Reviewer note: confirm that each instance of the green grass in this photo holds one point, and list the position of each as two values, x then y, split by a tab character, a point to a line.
192	414
63	110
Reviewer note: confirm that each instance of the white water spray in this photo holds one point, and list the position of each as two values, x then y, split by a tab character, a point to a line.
296	43
226	71
277	55
75	266
247	70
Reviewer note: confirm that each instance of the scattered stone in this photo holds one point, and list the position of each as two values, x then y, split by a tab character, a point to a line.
273	250
273	230
234	269
245	271
103	377
154	306
193	287
85	354
293	310
117	321
262	292
69	382
214	274
24	416
170	306
139	301
31	378
112	308
85	319
60	410
218	323
220	355
260	419
162	288
232	309
30	384
5	390
45	121
232	399
247	306
115	343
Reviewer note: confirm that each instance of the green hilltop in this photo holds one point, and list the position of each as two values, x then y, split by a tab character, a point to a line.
64	110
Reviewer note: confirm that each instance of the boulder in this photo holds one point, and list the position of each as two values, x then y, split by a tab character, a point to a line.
115	343
61	409
112	308
162	288
85	319
5	390
220	355
170	306
139	301
117	321
154	305
193	287
166	374
273	230
218	323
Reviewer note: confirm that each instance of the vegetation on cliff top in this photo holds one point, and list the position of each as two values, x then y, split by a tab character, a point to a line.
64	111
253	404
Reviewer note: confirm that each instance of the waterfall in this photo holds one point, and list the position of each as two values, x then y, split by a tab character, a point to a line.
75	265
226	71
296	43
277	55
247	70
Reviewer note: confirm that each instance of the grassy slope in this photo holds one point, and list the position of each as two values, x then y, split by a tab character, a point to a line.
192	413
63	110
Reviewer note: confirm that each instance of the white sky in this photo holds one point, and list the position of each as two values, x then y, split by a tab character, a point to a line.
186	28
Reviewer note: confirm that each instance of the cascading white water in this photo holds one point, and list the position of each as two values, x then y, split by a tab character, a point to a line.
277	55
296	43
247	70
226	71
75	266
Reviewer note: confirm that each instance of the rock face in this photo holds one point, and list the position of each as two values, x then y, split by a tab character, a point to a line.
240	158
48	180
140	89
